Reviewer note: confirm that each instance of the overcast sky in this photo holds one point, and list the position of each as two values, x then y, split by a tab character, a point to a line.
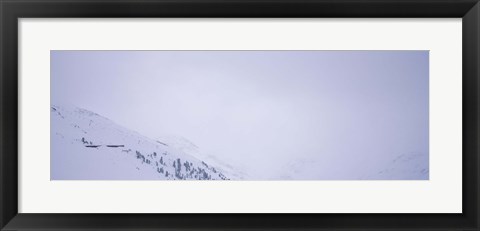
261	110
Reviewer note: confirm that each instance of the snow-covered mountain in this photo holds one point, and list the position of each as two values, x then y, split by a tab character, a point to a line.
87	146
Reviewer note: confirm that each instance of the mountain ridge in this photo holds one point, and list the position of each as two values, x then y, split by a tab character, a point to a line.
81	139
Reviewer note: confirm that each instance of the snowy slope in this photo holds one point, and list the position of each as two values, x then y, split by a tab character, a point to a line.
411	166
87	146
188	147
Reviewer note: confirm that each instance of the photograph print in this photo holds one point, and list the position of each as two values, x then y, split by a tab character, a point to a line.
242	115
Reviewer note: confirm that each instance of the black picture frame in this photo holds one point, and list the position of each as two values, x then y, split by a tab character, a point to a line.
12	10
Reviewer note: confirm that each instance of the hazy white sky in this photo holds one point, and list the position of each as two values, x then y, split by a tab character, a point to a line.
346	111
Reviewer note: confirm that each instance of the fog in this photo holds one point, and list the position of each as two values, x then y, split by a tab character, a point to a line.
261	111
